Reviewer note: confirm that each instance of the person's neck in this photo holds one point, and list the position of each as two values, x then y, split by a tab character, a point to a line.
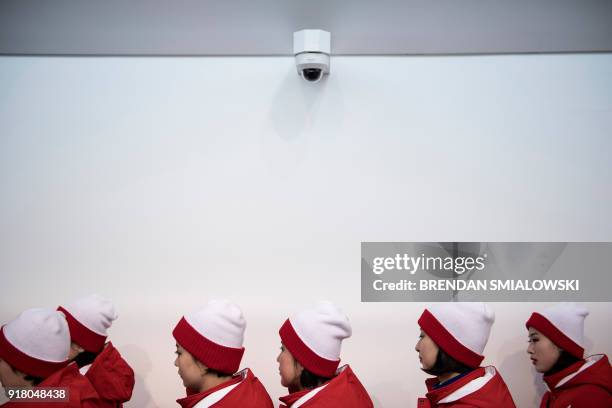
447	376
210	381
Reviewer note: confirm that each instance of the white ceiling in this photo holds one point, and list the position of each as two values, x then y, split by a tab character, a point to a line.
264	27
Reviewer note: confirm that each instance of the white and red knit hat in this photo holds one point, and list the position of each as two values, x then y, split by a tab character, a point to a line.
563	324
460	329
37	342
88	319
214	335
314	338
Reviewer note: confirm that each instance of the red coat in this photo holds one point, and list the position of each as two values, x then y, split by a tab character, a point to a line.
112	378
82	393
342	391
586	384
482	388
247	392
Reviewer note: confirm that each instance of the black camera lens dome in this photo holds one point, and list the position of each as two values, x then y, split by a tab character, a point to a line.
311	74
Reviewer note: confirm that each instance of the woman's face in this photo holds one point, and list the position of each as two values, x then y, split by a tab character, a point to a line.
428	351
190	370
543	352
10	377
288	368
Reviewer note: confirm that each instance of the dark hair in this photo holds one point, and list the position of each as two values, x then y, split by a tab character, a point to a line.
30	378
310	380
446	364
565	360
33	380
85	358
217	373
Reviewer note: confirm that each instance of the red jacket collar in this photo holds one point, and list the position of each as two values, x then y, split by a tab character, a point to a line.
553	380
440	393
345	375
80	388
193	399
70	376
594	370
290	399
60	377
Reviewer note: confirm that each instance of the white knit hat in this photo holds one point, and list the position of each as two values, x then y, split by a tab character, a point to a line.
563	324
461	329
214	335
37	342
88	319
314	337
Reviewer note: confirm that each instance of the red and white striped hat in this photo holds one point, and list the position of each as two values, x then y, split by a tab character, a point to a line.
461	329
214	335
314	338
37	342
563	324
89	319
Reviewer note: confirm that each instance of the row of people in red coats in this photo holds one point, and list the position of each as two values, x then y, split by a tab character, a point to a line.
209	348
68	349
451	345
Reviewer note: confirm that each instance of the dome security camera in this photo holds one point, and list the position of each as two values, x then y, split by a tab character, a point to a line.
311	49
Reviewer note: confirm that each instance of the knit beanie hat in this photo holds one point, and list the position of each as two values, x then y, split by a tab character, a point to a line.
314	338
214	335
563	324
460	329
37	342
88	319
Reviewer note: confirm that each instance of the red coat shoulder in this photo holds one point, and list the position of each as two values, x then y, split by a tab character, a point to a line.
247	392
343	391
250	393
82	393
111	376
587	383
482	387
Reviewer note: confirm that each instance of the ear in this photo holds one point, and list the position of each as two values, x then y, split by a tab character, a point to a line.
203	369
298	367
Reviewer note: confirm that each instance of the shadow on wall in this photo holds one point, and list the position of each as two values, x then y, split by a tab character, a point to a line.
297	110
517	365
409	401
295	105
588	347
540	387
141	363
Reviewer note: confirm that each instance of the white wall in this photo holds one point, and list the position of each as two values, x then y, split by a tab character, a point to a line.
161	182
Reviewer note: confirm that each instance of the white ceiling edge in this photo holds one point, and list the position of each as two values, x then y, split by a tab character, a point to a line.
265	27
